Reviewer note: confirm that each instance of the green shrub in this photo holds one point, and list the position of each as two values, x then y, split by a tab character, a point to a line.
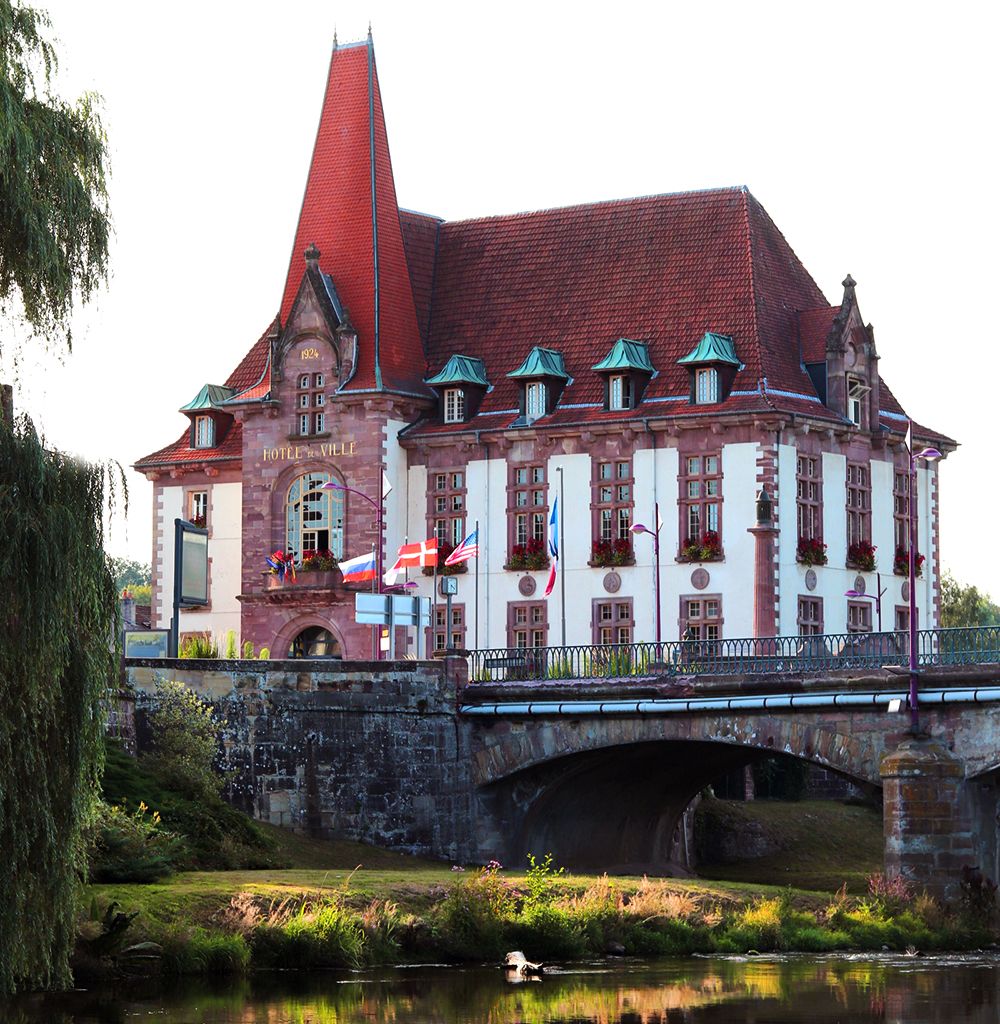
327	936
548	932
539	881
184	740
247	650
199	646
232	645
471	918
131	847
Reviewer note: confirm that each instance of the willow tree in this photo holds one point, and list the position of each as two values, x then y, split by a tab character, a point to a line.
54	222
57	599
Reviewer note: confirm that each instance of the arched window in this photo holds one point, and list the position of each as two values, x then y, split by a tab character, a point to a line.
315	642
314	516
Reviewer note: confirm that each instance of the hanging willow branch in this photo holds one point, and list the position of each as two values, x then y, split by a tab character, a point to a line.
58	634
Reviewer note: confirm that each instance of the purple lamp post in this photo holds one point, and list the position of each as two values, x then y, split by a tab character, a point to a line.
876	597
655	532
928	455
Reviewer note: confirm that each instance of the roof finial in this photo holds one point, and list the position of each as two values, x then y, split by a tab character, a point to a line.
312	255
369	30
849	283
335	36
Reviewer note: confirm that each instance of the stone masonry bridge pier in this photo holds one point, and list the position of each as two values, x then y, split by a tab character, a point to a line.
416	757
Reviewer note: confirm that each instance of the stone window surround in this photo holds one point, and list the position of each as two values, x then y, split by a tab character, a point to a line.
528	626
513	509
683	501
862	513
450	514
804	505
615	622
615	505
683	621
900	506
862	615
813	622
440	631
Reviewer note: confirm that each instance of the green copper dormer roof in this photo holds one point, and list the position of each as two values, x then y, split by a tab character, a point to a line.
626	354
211	396
542	362
460	370
713	348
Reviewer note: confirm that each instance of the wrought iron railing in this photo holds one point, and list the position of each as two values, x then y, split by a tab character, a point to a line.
753	656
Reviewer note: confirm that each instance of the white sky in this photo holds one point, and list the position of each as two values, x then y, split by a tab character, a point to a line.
867	130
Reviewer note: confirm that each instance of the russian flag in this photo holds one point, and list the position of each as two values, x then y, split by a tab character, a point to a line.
357	570
553	546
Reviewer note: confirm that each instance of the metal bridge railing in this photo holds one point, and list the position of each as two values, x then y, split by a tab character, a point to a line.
751	656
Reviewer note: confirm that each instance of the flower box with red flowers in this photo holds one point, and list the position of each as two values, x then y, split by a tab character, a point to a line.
200	521
811	551
707	548
444	550
606	553
528	557
318	561
862	556
901	563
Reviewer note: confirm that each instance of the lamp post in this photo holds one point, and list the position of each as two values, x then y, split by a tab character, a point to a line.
928	455
876	597
655	532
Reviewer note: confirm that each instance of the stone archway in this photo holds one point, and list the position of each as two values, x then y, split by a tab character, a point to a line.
311	626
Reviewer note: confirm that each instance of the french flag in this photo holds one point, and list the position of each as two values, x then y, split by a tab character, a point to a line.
553	547
357	570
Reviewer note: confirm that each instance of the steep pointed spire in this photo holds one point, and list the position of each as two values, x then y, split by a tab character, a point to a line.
350	212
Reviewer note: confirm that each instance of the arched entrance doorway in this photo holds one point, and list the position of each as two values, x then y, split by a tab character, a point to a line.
315	642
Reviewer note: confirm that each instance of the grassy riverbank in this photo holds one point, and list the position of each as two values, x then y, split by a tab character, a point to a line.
231	921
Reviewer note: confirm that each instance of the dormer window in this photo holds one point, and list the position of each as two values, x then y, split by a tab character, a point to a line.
454	405
534	399
713	363
542	377
619	391
460	386
706	388
626	370
856	391
204	432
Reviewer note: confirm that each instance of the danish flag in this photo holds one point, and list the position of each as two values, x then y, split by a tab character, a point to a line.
411	556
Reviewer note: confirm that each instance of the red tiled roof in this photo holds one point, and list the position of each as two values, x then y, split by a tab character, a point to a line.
337	216
230	448
814	328
420	235
660	269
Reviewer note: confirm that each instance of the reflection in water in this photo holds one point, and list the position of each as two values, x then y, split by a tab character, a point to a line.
843	989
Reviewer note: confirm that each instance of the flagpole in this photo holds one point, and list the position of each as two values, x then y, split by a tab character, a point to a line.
562	550
477	584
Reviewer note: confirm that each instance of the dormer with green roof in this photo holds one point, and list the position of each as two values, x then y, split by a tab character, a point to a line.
713	363
209	421
460	387
542	376
626	370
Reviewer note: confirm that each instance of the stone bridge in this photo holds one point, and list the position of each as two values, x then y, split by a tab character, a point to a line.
413	756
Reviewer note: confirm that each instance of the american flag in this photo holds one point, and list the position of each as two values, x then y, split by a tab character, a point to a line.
469	548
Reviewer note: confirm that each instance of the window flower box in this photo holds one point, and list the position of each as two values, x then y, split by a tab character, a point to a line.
862	556
811	551
444	550
707	548
318	561
901	563
200	521
528	557
607	553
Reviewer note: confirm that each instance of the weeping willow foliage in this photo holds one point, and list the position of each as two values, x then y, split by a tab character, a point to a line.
54	218
58	629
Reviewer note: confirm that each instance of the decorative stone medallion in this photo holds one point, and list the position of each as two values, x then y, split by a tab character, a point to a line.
810	579
859	584
612	582
527	585
700	578
904	590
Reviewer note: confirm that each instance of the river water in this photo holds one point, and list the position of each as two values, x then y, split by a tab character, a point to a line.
841	989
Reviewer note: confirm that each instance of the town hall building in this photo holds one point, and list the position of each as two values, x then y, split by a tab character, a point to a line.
664	352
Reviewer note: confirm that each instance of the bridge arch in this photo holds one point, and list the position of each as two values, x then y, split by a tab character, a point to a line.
609	794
